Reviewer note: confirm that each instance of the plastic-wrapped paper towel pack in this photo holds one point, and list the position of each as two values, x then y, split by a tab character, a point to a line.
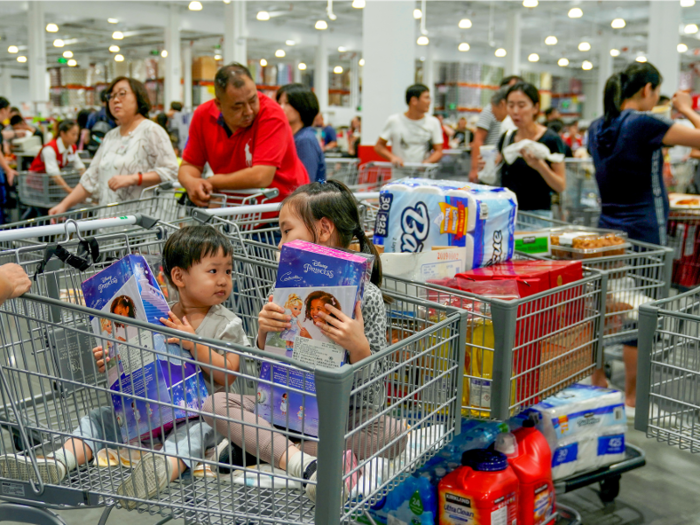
585	427
416	215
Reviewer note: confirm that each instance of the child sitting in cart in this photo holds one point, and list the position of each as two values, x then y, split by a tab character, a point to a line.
326	214
198	263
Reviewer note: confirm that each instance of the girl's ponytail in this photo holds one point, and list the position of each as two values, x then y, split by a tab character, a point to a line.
612	98
624	85
367	246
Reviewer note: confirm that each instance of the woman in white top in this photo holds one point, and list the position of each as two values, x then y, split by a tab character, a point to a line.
133	156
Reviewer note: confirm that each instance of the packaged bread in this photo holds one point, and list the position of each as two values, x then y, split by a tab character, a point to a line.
587	245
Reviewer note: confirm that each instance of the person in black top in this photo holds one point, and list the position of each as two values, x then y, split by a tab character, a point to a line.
558	127
530	178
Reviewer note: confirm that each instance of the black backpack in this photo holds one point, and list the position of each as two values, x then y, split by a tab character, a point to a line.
97	134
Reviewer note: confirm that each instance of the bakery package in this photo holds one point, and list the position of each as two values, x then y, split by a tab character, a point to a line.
416	215
581	244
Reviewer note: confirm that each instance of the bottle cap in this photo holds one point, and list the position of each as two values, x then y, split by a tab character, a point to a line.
485	460
440	472
528	423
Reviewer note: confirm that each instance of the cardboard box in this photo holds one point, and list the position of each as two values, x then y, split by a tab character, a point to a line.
433	264
533	243
204	68
129	288
574	349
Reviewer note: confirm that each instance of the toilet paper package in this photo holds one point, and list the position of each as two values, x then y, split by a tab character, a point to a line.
417	215
585	428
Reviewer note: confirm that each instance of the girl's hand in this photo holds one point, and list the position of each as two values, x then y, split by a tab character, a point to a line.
182	326
101	362
122	181
271	319
348	333
532	161
682	101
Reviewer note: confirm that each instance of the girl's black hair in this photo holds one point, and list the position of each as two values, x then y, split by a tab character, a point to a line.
334	200
66	125
626	84
527	89
189	245
125	302
303	100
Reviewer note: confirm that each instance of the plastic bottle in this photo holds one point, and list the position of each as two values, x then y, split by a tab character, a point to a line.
532	464
484	491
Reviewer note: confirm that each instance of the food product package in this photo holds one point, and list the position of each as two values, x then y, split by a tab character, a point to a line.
416	215
421	266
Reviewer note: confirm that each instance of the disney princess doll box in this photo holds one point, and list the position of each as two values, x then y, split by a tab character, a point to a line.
309	278
152	386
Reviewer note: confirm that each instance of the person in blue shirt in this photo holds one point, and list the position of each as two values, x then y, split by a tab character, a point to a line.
301	107
626	148
329	138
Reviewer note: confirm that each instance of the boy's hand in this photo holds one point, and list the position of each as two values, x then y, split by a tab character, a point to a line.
182	326
101	363
271	319
348	333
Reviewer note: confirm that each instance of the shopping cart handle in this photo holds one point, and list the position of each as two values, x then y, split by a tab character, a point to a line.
270	193
205	214
73	226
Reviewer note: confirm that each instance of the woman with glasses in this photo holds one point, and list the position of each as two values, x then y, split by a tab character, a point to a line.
133	156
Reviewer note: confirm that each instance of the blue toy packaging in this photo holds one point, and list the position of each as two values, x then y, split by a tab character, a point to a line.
416	215
129	288
309	278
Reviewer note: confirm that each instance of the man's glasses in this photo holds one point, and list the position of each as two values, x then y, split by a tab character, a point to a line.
121	95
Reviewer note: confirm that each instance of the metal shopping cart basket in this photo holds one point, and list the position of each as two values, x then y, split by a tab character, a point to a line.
342	169
639	275
42	190
373	175
579	203
668	377
48	381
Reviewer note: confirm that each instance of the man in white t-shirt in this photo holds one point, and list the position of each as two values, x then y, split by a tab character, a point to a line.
489	127
415	136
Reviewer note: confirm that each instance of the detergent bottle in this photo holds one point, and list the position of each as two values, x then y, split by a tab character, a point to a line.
484	491
530	458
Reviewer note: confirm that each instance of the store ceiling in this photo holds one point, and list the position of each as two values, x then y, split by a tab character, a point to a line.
84	28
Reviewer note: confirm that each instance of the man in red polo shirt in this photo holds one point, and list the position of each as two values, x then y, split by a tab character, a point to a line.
246	139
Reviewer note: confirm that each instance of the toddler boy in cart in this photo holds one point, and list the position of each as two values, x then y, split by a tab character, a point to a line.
197	261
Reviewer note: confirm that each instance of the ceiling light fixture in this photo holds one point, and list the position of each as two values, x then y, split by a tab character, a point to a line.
52	28
576	12
13	49
118	35
361	62
641	59
417	14
587	65
534	57
342	49
463	47
618	23
280	53
217	57
423	40
68	54
551	40
58	43
113	20
358	4
614	52
321	25
338	70
465	23
584	46
302	66
164	53
119	58
563	62
21	59
500	52
263	16
195	6
114	49
72	62
530	3
682	48
691	29
227	1
687	3
290	43
263	62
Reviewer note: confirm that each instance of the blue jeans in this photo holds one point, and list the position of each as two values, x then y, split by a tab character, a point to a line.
189	438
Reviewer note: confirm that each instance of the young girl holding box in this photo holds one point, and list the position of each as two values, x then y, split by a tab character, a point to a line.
325	214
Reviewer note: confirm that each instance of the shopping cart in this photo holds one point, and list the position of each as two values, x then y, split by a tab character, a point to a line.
455	163
668	371
373	175
641	275
683	173
684	239
42	190
48	381
579	203
342	169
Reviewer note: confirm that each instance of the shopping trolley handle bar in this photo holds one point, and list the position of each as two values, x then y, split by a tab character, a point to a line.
73	226
262	208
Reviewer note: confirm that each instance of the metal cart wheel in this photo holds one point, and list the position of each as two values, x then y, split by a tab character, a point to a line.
609	489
